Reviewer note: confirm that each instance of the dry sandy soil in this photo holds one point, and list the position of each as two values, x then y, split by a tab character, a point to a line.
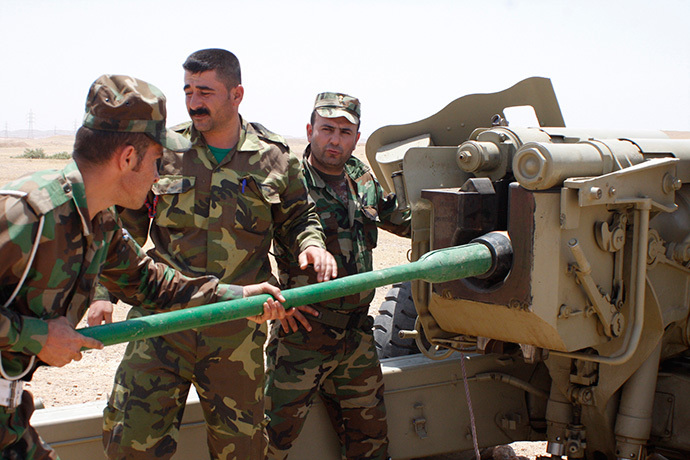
91	378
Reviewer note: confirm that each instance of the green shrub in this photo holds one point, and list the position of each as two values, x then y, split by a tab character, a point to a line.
39	153
33	153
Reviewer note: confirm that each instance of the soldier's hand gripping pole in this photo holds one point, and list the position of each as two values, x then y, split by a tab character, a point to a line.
438	266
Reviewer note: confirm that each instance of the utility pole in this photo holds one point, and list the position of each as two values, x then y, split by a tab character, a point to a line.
31	119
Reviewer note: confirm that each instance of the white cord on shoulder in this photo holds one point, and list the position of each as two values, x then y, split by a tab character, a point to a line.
34	249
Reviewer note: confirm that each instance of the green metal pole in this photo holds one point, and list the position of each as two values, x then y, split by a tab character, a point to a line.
435	267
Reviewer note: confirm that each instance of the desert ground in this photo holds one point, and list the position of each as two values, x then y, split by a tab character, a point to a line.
59	387
91	378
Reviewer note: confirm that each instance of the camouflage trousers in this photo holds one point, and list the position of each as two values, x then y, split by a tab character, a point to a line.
225	364
18	439
342	367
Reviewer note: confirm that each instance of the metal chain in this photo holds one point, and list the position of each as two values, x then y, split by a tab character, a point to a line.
469	406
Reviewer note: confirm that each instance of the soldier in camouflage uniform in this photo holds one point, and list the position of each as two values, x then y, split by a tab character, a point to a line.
58	238
215	210
335	357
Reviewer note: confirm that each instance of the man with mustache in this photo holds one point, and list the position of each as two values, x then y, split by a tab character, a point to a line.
334	357
216	210
58	237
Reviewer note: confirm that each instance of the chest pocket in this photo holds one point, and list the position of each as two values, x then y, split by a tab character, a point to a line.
370	217
176	199
254	202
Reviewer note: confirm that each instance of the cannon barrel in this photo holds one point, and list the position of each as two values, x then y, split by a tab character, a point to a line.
438	266
542	165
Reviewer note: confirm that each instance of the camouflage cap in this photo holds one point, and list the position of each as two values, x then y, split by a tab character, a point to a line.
334	105
126	104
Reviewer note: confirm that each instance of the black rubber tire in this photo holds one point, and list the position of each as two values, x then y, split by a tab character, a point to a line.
397	313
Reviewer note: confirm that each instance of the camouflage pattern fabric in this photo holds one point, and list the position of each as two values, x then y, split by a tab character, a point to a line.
126	104
351	231
334	105
215	219
19	440
153	381
339	365
75	251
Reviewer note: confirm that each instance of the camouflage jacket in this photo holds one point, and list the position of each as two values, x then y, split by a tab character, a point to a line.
74	251
220	219
351	231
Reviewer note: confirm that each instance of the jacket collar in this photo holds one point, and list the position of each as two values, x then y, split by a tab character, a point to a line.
74	185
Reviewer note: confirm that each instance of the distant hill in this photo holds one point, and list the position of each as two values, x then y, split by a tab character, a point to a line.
36	134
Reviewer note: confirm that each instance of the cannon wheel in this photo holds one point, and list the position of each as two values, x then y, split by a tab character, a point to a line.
396	313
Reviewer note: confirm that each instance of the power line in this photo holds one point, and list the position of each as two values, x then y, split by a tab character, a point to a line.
31	119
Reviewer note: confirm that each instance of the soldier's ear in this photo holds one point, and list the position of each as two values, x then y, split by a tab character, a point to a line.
309	131
126	157
237	94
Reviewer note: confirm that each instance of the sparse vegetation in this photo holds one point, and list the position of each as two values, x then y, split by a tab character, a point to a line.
33	153
39	153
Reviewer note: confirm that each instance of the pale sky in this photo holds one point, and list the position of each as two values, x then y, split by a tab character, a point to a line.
613	64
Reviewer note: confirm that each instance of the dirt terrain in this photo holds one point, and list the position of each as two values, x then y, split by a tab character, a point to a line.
91	378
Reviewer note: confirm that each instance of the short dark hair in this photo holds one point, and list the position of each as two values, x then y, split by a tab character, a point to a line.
313	119
96	147
226	65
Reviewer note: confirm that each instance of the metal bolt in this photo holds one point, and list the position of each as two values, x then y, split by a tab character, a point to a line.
587	396
612	191
595	193
671	183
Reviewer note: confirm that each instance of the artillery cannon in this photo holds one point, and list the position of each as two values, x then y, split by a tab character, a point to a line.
577	334
598	290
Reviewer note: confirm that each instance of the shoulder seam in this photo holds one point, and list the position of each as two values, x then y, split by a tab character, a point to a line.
266	134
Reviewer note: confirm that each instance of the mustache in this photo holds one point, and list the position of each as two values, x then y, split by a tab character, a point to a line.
201	111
